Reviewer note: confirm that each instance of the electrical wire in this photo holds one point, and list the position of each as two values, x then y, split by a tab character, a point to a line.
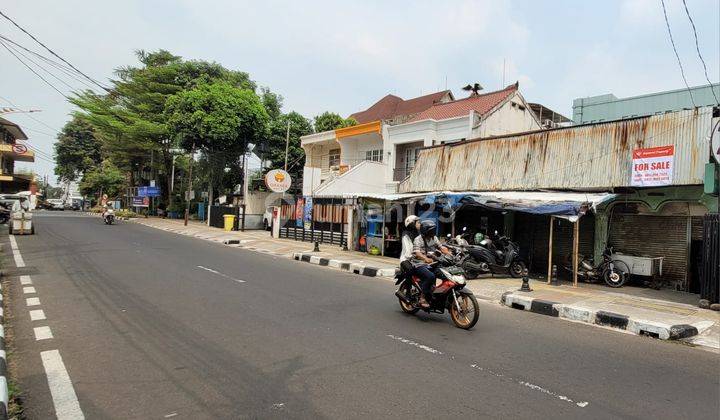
697	47
53	52
672	41
29	115
66	70
24	55
33	70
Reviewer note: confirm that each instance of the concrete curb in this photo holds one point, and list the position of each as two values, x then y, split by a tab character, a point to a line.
355	268
4	395
624	322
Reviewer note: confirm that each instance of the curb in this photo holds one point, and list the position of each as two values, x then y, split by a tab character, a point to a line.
4	395
355	268
653	329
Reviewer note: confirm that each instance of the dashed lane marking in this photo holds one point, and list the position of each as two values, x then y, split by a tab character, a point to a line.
37	315
42	333
33	301
61	387
28	290
25	280
220	274
19	262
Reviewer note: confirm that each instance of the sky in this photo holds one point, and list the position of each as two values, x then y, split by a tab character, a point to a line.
342	56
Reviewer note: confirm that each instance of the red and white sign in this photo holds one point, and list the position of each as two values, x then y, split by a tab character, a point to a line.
20	149
653	167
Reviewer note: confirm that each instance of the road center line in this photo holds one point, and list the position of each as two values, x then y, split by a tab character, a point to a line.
19	262
220	274
415	344
61	388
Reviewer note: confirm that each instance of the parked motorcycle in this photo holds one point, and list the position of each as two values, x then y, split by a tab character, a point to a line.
501	256
450	295
615	273
4	215
109	216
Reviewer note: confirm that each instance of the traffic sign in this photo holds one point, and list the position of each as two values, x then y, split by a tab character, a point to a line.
20	149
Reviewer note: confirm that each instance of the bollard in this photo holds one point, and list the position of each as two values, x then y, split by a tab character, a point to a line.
525	282
317	247
555	281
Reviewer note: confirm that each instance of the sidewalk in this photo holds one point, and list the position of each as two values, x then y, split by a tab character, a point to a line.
660	314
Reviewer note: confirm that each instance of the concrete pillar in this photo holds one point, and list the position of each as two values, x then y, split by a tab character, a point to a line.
602	218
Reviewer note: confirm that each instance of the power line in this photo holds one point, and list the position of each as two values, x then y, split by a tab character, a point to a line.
672	41
32	70
40	66
52	52
29	115
67	70
697	47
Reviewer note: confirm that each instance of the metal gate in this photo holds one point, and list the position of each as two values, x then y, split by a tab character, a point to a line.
710	269
327	225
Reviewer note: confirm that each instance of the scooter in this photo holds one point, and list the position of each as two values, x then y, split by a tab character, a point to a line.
615	273
487	257
109	216
450	294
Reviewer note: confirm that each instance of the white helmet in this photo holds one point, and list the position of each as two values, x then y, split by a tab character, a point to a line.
410	220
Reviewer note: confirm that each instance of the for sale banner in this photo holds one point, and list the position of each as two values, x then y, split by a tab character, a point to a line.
652	167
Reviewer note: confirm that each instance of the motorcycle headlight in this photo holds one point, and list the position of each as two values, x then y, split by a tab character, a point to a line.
458	279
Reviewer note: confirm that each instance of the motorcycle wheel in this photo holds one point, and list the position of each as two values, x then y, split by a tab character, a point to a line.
470	274
469	314
517	268
618	275
406	307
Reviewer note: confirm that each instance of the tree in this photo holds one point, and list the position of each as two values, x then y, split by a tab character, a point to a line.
220	120
104	179
299	126
48	190
130	119
77	149
331	121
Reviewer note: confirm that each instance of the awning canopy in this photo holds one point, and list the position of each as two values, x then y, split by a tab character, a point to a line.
567	205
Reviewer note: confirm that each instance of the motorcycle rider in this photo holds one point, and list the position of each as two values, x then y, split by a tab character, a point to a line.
423	245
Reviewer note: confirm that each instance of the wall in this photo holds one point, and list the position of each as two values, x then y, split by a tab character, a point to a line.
608	107
352	149
508	119
580	157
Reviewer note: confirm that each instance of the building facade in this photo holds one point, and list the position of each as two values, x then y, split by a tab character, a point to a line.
13	150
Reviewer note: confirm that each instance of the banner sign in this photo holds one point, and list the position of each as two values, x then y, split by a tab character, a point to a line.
652	167
299	208
307	217
278	180
141	202
149	191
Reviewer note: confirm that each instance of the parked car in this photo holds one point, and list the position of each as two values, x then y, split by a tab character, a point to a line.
55	204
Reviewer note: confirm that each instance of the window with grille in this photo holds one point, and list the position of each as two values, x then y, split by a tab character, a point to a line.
334	157
374	155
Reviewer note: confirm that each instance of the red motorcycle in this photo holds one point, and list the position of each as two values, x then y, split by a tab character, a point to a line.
449	295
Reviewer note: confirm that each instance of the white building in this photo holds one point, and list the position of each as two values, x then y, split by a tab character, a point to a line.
377	154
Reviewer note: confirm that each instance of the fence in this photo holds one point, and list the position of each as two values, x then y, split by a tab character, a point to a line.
327	224
217	213
710	269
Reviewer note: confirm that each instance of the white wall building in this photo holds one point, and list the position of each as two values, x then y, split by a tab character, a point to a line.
393	140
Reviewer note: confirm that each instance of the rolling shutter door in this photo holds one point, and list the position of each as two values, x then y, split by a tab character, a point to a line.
654	236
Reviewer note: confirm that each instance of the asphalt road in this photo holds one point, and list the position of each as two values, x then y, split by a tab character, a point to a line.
151	324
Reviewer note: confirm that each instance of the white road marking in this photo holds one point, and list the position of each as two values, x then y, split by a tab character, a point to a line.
19	262
220	274
28	290
37	315
33	301
25	280
42	333
415	344
61	388
581	404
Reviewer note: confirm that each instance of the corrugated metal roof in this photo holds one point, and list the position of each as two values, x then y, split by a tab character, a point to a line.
597	156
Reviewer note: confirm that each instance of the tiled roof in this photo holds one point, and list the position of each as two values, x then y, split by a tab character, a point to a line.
482	104
392	106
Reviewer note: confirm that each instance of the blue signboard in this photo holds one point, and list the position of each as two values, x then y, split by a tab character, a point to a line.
149	191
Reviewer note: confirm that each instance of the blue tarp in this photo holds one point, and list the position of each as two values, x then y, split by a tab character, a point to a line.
564	208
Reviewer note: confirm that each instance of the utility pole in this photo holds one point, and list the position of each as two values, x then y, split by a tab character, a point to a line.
287	144
187	199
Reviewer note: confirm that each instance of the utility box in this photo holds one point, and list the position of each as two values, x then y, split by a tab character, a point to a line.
641	266
711	179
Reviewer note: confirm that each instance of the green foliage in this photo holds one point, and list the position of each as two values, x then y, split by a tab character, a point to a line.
299	126
217	117
104	179
331	121
125	213
77	149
